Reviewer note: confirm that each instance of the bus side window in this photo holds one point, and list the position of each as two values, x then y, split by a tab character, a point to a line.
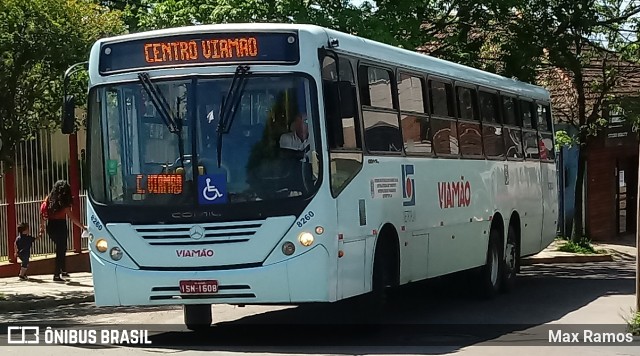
331	102
492	131
511	130
470	138
96	137
443	122
340	106
381	126
413	117
530	136
348	106
545	145
343	125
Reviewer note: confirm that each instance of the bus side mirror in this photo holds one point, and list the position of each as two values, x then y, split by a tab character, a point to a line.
69	115
347	99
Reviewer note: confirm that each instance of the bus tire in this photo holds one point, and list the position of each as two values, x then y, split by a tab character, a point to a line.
490	273
197	317
384	276
510	267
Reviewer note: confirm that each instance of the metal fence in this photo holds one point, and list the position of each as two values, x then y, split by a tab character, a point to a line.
39	163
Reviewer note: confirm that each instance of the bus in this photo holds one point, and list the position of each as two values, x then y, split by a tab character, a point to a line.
285	164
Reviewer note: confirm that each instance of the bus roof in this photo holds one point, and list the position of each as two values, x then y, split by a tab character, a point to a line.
369	49
439	67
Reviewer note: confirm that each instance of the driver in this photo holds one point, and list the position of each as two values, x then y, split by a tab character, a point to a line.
296	139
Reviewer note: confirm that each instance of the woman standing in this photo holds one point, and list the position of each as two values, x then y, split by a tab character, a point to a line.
54	212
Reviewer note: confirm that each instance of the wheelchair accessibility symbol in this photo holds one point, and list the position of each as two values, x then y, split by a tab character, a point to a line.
210	192
212	189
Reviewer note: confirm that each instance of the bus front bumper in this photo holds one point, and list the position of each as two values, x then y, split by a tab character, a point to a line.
304	278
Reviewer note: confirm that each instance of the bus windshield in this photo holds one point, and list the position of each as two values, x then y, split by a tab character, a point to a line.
270	150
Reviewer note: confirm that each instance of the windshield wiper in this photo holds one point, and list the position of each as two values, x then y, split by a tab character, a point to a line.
174	124
159	101
179	122
230	105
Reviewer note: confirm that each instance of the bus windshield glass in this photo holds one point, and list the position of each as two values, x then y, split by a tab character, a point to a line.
270	150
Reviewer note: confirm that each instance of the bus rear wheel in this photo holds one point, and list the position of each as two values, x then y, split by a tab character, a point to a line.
511	257
197	317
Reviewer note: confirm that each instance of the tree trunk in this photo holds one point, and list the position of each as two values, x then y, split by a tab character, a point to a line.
578	223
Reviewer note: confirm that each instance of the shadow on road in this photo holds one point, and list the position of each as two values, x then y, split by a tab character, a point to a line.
72	314
438	316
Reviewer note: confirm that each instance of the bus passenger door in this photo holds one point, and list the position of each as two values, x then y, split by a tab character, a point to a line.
548	170
345	161
534	189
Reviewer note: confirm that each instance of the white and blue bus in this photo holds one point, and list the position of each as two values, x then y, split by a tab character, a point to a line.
272	163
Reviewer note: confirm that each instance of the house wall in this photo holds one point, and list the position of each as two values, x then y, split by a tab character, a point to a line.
602	187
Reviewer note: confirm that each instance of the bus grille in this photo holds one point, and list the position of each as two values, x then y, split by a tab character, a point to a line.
210	234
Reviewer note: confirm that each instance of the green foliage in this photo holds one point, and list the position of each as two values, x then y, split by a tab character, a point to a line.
39	40
582	246
564	139
338	14
631	107
595	126
128	10
461	31
633	324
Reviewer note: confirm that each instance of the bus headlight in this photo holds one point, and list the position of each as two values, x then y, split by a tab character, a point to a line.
116	253
305	238
101	245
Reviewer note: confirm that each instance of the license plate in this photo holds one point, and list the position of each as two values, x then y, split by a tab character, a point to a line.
199	287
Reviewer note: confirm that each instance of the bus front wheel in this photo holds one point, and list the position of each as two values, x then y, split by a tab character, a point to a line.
491	272
197	317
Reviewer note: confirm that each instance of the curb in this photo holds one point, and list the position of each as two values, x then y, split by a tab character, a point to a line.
35	305
567	259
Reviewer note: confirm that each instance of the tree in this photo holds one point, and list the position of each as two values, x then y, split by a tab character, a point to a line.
514	38
128	11
336	14
409	24
39	40
576	38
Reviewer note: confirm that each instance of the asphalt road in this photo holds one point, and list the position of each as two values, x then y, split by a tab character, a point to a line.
441	316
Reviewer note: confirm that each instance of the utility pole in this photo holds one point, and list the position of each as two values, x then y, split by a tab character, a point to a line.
638	238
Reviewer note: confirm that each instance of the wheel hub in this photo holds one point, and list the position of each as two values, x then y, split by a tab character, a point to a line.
511	256
494	267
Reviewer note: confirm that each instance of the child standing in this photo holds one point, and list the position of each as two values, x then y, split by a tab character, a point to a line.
23	248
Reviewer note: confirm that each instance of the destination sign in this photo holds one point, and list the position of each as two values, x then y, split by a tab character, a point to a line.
199	49
159	184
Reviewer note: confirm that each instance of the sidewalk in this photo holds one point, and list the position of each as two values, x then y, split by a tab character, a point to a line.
550	255
41	291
